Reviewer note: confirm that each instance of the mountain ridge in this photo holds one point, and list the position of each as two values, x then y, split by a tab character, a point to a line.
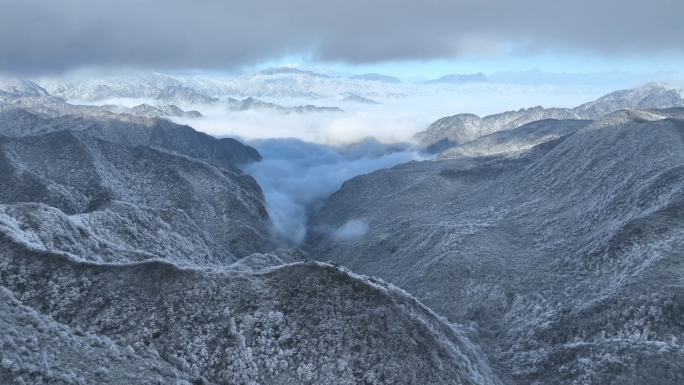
247	335
134	130
559	251
462	128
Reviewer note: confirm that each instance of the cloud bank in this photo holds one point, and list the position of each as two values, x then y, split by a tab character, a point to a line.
38	36
391	121
296	177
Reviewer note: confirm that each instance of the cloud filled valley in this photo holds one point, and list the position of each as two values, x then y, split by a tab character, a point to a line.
393	120
285	226
297	176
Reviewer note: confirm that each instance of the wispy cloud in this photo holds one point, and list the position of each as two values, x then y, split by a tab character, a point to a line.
354	228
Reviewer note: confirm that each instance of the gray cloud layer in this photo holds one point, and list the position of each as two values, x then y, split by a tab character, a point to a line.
56	35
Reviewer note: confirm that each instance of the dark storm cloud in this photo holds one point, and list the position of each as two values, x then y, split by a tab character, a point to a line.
56	35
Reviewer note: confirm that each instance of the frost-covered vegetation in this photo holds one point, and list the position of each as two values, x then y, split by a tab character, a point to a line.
35	349
297	323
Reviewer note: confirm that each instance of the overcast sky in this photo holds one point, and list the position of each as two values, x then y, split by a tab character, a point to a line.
50	36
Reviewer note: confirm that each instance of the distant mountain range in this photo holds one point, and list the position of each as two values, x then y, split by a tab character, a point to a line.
459	79
256	104
377	77
462	128
283	82
358	99
48	106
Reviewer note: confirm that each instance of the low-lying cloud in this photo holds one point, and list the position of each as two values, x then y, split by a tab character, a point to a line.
297	176
307	157
393	120
352	229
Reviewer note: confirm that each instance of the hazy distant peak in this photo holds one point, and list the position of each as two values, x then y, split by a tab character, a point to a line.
460	79
251	103
377	77
358	99
285	71
162	110
537	77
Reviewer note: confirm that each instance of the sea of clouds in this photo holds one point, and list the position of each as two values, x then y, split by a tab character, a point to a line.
307	157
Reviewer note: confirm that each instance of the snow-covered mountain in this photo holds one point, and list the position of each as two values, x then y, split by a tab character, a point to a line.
278	82
183	95
651	96
270	323
77	173
462	128
143	85
566	255
274	82
20	87
133	130
358	99
517	140
163	110
133	250
256	104
285	82
49	106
